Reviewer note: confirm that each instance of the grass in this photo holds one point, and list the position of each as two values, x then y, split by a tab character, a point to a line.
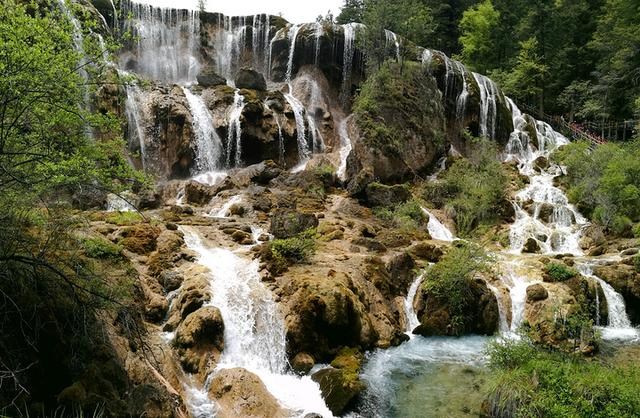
101	249
295	250
408	216
124	218
527	381
558	272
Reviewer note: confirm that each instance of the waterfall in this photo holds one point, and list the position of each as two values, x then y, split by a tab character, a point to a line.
304	154
488	105
229	43
392	39
561	232
281	149
133	112
409	311
345	148
209	147
254	331
441	165
461	102
167	42
436	229
293	37
318	33
504	324
347	60
234	136
223	211
260	40
619	326
427	59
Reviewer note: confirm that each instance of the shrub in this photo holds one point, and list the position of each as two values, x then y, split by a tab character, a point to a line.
298	249
102	249
473	189
558	272
408	216
452	278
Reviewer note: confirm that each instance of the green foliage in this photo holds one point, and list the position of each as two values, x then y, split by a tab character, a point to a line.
452	278
529	382
407	217
478	26
101	248
604	183
473	189
392	104
525	81
298	249
559	272
636	263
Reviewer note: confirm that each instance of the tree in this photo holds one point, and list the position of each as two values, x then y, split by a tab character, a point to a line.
478	25
351	11
526	80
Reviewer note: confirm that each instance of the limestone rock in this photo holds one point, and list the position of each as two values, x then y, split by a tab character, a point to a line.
303	363
536	292
338	389
382	195
531	246
209	78
287	223
240	393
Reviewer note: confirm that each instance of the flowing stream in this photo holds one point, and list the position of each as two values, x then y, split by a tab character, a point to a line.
254	332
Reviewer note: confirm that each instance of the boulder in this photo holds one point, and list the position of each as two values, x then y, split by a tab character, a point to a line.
536	292
531	246
339	388
626	281
140	238
303	363
170	280
197	193
546	212
209	78
248	78
480	317
240	393
156	308
427	251
382	195
261	173
203	327
287	223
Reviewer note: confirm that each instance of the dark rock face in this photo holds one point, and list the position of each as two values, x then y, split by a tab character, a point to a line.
209	78
482	317
531	246
287	223
248	78
197	193
626	281
382	195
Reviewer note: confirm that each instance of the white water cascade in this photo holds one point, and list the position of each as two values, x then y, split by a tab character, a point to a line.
293	37
345	148
461	101
392	40
304	153
167	42
619	326
488	105
318	34
254	332
409	310
347	59
436	229
135	118
209	149
234	136
560	231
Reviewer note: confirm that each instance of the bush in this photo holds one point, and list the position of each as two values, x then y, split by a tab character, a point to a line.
452	278
558	272
473	189
102	249
531	382
298	249
408	217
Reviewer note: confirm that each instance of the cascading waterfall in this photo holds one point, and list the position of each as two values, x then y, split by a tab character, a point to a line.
392	40
345	148
502	314
293	37
254	332
461	102
318	34
234	136
427	58
133	112
167	42
488	105
562	230
619	326
260	40
409	310
436	229
209	149
304	153
347	66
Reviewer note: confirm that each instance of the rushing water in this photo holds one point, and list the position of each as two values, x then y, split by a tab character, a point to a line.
436	229
347	60
254	332
392	40
234	136
304	153
345	148
209	149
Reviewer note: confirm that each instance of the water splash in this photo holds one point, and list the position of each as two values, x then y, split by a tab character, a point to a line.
409	311
345	148
436	229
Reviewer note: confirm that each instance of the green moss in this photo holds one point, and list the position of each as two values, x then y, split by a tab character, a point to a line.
101	248
407	217
123	218
298	249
